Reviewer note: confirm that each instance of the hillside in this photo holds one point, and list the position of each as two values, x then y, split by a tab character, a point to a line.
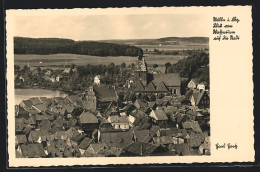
166	40
55	46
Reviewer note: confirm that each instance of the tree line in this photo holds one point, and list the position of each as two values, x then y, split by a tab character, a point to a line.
196	65
46	46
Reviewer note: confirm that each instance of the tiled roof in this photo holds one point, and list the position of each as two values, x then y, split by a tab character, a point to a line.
87	118
118	119
142	135
104	93
194	125
35	100
161	86
197	95
160	114
139	86
169	79
150	87
85	143
140	148
117	139
21	138
32	150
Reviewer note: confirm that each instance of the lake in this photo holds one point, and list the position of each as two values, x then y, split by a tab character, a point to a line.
24	94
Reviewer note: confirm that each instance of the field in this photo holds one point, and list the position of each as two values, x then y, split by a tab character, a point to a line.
59	60
175	47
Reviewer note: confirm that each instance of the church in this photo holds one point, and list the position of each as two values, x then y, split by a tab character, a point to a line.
144	82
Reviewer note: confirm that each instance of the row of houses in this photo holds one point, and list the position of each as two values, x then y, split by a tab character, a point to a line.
63	127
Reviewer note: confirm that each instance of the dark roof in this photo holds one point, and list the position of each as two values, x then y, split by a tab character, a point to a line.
87	118
40	107
19	124
118	119
118	139
27	103
142	135
104	93
169	79
194	125
35	100
194	142
197	95
140	148
20	111
32	150
161	87
21	138
150	87
140	104
160	114
95	148
139	86
85	143
76	100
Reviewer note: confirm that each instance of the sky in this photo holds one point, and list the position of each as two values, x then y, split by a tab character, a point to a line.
104	27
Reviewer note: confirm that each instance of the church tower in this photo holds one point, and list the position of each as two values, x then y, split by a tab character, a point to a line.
91	99
140	72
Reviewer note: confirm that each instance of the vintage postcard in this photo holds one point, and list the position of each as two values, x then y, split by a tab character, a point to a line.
129	86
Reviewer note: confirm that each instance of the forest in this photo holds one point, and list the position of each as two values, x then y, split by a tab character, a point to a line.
46	46
196	65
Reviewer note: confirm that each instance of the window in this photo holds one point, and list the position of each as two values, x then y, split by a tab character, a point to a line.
174	91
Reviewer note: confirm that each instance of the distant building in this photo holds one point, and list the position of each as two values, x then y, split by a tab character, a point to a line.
155	83
88	120
97	80
105	95
200	99
193	83
202	86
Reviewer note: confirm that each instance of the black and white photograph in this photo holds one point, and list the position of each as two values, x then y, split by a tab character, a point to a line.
111	86
99	85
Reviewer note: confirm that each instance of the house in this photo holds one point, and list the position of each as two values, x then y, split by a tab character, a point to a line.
194	125
140	149
139	104
119	122
20	139
104	95
52	78
67	70
35	100
200	99
159	117
128	108
48	72
95	148
142	135
27	105
32	150
104	124
20	111
84	144
19	124
40	107
193	83
75	100
88	120
59	78
97	80
118	139
202	86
